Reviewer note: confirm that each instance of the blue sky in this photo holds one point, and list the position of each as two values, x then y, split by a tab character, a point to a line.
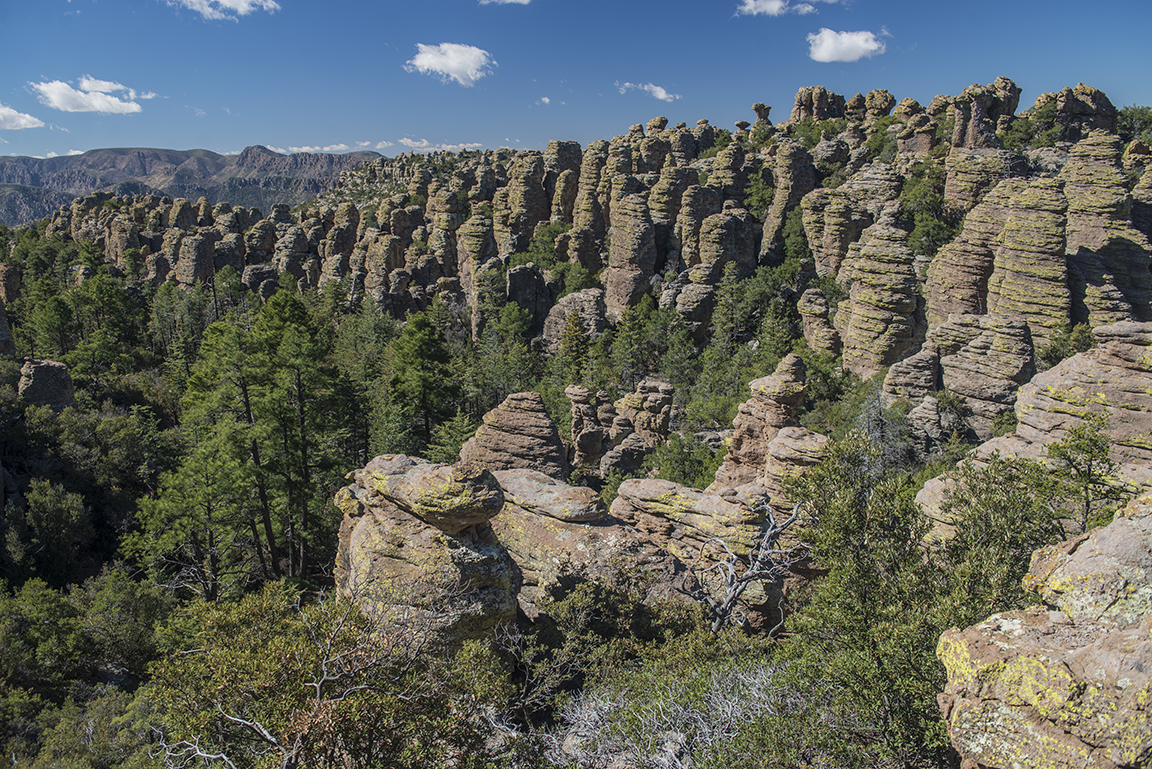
391	76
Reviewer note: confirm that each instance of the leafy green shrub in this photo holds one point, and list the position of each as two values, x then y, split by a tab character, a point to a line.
685	459
1065	343
1031	130
881	143
758	196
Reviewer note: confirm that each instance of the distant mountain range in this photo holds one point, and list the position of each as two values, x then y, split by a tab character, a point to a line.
31	188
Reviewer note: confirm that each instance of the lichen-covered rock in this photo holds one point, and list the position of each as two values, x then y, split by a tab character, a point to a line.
882	321
1030	273
698	203
1079	110
981	359
958	274
683	519
649	409
518	434
524	204
775	404
791	453
416	550
558	535
1067	686
818	103
46	383
725	238
1115	378
835	218
1108	258
978	109
970	173
818	331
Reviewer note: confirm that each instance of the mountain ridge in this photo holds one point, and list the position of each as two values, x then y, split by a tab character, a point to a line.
30	187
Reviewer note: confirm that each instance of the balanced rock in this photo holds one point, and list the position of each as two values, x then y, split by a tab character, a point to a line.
1066	685
417	552
518	434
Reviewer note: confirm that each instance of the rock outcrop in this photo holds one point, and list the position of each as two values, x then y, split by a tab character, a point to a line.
417	551
775	404
1067	684
518	434
46	383
559	535
883	319
1115	378
981	359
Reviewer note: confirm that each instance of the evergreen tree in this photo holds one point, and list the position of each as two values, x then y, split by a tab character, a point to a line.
422	375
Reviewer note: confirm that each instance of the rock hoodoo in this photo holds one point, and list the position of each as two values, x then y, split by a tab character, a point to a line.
518	434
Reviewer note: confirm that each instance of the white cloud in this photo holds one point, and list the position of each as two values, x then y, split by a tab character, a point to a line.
452	61
828	45
776	7
383	144
93	96
226	9
362	144
544	100
423	145
11	120
328	148
69	153
505	2
655	91
279	150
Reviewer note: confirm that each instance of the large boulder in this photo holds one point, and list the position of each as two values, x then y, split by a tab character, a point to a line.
416	549
1067	684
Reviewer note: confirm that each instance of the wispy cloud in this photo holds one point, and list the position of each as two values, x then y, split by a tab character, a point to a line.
653	90
226	9
452	61
69	153
93	96
777	7
828	45
383	144
11	120
505	2
544	100
327	148
423	145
